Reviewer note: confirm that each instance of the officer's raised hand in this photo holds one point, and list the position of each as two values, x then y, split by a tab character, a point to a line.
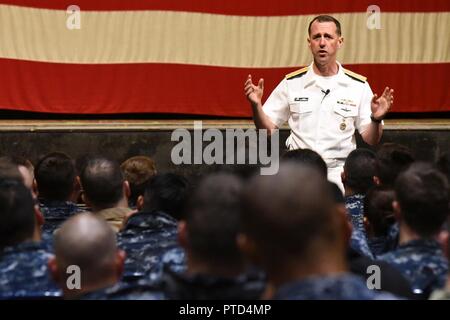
381	106
254	93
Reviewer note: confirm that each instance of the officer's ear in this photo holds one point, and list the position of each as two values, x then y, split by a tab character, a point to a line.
34	189
120	262
340	42
343	177
126	189
140	203
248	248
397	210
376	181
39	216
443	239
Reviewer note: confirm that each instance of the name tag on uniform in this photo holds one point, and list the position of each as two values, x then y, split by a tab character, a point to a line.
302	99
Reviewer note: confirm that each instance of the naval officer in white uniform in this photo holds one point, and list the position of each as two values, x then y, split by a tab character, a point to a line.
322	103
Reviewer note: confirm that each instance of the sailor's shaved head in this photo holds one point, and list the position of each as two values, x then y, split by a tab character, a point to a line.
89	243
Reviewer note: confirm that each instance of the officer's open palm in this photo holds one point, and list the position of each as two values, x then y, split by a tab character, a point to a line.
381	105
254	93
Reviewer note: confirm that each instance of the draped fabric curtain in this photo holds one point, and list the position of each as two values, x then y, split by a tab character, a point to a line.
192	57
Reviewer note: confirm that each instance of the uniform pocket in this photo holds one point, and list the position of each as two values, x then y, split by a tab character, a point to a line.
300	107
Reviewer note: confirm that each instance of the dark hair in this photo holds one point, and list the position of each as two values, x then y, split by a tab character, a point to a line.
392	159
283	216
138	171
17	219
326	18
166	192
213	221
359	170
337	193
307	157
423	195
378	209
102	182
443	164
9	170
55	176
19	161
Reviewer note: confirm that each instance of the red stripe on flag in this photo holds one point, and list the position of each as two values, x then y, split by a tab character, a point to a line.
240	7
188	89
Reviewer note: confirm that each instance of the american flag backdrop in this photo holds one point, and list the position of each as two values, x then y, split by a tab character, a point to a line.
192	57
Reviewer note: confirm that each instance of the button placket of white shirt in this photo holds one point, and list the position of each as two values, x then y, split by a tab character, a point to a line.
325	107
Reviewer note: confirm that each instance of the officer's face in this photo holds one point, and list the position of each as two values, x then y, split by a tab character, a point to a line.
324	42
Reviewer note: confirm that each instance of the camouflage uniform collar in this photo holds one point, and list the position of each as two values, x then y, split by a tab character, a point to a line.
24	246
56	203
355	197
213	280
180	285
148	219
140	290
421	243
321	287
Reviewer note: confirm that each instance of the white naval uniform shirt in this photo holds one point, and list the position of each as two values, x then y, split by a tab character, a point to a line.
323	123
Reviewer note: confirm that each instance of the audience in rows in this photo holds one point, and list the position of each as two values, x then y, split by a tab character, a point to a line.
91	228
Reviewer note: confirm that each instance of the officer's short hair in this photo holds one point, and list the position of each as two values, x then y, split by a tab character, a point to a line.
55	176
307	157
392	159
443	164
288	213
19	161
17	220
378	209
359	170
212	219
138	171
326	18
168	193
423	195
102	182
9	170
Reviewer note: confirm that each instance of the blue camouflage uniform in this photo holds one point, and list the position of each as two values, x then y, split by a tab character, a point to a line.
56	213
422	262
383	244
380	245
358	242
140	290
182	286
146	238
24	273
355	210
337	287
